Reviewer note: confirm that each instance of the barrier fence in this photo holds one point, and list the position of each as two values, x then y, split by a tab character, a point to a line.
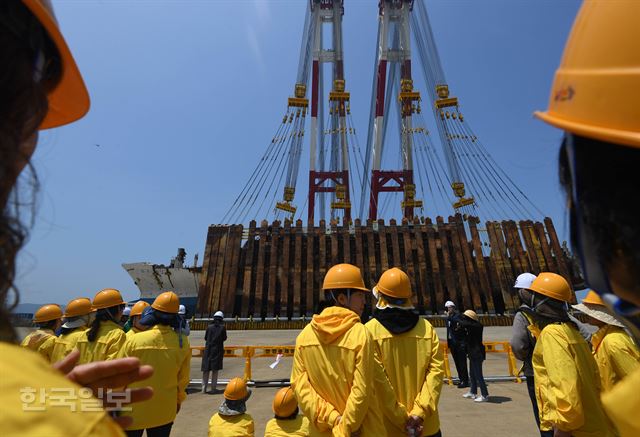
250	352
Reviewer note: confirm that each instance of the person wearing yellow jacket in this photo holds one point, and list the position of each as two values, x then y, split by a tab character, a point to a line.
105	337
615	352
232	419
77	316
134	318
333	363
287	421
594	100
566	376
165	348
409	350
48	319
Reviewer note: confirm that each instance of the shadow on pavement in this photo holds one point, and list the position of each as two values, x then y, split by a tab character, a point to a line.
499	399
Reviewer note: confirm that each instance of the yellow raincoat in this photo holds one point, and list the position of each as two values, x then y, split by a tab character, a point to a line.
42	341
131	332
411	376
568	384
283	428
106	345
332	375
616	355
159	347
66	343
622	404
231	426
38	401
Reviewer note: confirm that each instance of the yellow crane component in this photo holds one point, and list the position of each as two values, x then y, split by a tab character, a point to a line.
444	100
299	101
459	191
409	197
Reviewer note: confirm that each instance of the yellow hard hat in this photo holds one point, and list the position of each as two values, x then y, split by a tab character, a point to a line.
236	390
138	308
593	298
107	298
394	283
596	89
69	100
472	315
78	307
284	402
167	302
552	285
48	312
343	276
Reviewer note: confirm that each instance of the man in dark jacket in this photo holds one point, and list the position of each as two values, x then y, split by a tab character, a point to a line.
214	351
456	344
470	322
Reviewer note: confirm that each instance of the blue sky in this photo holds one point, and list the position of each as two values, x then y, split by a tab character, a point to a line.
186	95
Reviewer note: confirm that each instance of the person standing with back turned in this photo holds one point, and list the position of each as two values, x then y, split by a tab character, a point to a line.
214	338
457	344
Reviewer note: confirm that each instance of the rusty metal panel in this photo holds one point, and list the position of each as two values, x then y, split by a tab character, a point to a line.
283	303
248	285
483	274
452	292
436	294
298	306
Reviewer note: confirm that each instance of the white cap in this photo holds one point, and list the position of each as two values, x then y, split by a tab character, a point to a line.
448	304
127	311
219	314
524	280
182	309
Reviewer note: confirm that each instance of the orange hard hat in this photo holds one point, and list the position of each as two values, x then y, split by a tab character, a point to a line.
342	276
394	283
236	390
69	100
596	89
78	307
552	285
284	402
167	302
107	298
138	308
593	298
48	312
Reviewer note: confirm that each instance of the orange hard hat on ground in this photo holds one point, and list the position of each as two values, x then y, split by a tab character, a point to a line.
343	276
236	390
592	298
596	89
472	315
394	283
78	307
48	312
107	298
284	402
552	285
138	308
69	100
167	302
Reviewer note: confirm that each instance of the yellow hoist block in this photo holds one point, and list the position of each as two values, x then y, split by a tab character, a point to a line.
409	191
464	202
289	193
341	205
300	90
299	101
411	204
458	188
341	192
286	206
444	103
442	90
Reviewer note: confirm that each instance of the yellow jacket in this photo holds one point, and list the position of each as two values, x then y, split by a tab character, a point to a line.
66	343
38	401
568	384
40	340
332	375
616	355
106	345
159	347
283	428
411	376
131	332
622	404
231	426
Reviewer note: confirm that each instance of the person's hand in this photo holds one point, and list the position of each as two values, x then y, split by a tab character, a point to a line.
108	375
414	425
559	433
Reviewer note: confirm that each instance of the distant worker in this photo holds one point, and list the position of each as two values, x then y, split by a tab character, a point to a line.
456	344
164	348
413	366
615	352
333	364
566	375
105	337
134	318
48	319
182	312
125	316
214	338
77	318
232	419
287	421
470	322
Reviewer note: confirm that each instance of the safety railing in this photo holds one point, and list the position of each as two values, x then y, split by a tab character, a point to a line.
250	352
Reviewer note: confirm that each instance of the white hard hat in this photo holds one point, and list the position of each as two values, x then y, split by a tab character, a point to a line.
127	311
448	304
219	314
524	280
182	309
